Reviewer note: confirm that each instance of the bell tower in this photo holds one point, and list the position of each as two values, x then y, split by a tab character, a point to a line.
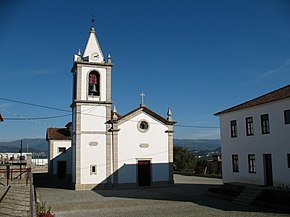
91	109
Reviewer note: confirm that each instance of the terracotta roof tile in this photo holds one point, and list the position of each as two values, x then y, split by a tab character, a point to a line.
58	134
273	96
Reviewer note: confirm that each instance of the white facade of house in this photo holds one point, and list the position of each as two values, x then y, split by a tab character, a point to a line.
107	149
274	144
56	155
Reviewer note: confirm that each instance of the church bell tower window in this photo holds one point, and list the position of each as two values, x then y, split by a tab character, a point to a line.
94	84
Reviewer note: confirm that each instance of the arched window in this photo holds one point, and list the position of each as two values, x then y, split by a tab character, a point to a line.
94	84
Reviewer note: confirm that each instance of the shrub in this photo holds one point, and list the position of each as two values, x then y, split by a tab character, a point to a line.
42	211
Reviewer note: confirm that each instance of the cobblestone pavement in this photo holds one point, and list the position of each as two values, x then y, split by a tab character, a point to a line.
188	197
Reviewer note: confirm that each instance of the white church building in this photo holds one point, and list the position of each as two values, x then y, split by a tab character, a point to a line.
255	140
106	149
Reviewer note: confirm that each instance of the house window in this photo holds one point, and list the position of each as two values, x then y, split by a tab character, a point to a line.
61	149
288	158
252	163
93	169
249	126
235	162
234	132
265	124
287	116
94	84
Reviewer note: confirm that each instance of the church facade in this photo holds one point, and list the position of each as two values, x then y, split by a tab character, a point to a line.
108	149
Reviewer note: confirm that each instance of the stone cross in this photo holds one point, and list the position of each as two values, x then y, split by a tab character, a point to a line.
142	98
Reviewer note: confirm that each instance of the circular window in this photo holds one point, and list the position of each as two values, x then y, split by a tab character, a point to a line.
143	126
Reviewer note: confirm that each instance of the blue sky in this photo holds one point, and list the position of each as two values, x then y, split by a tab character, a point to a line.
198	57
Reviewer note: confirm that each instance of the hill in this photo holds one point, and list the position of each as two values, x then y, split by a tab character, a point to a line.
198	144
41	145
30	145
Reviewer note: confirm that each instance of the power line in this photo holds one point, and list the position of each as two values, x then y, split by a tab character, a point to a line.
35	105
36	118
84	114
194	126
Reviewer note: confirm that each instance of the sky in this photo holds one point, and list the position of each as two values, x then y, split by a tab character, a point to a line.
196	57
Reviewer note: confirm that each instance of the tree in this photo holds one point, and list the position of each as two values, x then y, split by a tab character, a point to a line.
183	159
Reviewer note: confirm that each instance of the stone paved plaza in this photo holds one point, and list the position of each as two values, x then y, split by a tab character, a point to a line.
188	197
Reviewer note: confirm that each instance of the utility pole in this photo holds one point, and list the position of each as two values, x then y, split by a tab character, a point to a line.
20	158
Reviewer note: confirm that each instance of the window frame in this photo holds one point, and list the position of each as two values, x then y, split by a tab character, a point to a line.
250	126
59	150
287	116
235	163
288	160
98	85
265	124
234	128
252	163
93	167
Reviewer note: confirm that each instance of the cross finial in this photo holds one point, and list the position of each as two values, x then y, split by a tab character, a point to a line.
142	98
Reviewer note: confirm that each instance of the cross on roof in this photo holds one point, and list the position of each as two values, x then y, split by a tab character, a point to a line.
142	98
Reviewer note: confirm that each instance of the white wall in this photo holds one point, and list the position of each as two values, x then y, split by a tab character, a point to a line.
130	152
93	118
93	155
276	143
59	156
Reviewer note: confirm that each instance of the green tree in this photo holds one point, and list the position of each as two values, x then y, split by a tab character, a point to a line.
183	159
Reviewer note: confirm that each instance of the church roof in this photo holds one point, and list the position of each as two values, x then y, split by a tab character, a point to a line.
273	96
149	112
58	134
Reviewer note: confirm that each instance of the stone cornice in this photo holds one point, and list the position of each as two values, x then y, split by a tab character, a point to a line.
83	63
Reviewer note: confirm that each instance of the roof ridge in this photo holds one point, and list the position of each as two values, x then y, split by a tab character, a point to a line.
275	95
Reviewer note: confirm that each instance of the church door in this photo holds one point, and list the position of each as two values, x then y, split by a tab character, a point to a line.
144	173
61	169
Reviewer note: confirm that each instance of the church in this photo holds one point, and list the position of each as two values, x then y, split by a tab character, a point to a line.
101	148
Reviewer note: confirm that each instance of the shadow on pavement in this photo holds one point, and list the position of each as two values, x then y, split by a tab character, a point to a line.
196	193
46	181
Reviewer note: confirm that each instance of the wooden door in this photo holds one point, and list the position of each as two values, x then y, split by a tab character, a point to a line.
61	169
268	169
144	173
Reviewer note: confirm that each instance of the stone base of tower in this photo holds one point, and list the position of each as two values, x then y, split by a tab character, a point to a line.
82	187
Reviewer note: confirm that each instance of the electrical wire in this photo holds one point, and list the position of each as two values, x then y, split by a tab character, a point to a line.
82	113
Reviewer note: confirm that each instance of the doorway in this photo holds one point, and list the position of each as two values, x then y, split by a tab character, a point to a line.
61	169
144	173
268	169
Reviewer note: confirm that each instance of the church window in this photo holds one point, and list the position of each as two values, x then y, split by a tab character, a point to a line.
143	126
93	169
94	84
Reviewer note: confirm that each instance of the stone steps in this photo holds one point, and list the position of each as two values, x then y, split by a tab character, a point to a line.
248	195
17	200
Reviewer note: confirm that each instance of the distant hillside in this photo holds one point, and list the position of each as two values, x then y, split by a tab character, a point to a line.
32	145
41	145
198	144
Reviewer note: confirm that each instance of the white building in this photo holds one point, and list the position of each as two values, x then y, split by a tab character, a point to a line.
110	150
255	140
59	154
